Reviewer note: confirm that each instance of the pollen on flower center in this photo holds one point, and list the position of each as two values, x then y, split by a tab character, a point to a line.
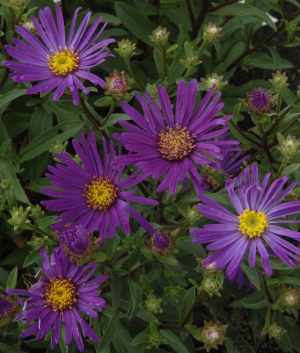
101	193
63	62
61	294
252	223
175	143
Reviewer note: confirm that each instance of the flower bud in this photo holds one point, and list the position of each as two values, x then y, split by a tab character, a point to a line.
209	270
117	84
155	340
160	36
77	244
19	216
5	184
126	49
35	211
15	3
191	61
152	304
213	80
289	299
212	335
279	81
192	214
161	242
58	147
173	293
289	146
276	331
38	242
211	286
29	25
211	32
259	101
8	309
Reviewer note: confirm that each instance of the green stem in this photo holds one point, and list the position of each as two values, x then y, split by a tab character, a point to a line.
265	144
280	117
184	227
281	168
11	199
36	229
278	102
242	133
164	61
196	302
198	55
111	110
132	74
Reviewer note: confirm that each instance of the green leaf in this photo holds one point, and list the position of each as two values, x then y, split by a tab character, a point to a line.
141	338
103	101
276	59
12	279
16	257
186	244
252	275
100	257
41	121
290	169
236	113
138	24
169	260
136	296
4	147
43	142
109	333
115	285
122	341
8	349
174	341
158	62
107	17
187	302
6	98
241	10
289	280
242	139
132	259
114	118
33	257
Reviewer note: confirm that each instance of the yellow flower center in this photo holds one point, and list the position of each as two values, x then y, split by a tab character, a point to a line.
175	143
101	194
63	62
61	294
253	223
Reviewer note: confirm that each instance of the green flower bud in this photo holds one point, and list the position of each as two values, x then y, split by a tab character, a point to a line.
276	331
18	216
173	292
58	147
35	211
117	84
19	3
211	286
211	33
5	184
126	49
289	146
213	80
212	335
29	25
279	81
152	304
38	242
289	299
160	36
191	61
155	340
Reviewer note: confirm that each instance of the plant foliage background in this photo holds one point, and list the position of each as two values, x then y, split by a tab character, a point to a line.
159	297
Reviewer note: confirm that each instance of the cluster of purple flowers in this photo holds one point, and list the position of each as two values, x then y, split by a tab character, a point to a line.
165	143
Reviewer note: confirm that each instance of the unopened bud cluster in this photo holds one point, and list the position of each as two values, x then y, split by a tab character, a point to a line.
58	147
126	49
155	340
211	33
289	299
160	36
5	184
191	61
289	146
152	304
212	334
276	331
29	25
213	80
19	216
279	81
117	84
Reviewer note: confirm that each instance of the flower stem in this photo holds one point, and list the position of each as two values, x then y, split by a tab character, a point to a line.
242	133
184	227
196	302
281	168
132	74
198	55
36	229
278	102
164	61
111	110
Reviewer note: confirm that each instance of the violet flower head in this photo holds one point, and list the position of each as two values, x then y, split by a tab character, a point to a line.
6	306
75	237
94	196
255	225
161	241
57	299
59	61
260	101
171	143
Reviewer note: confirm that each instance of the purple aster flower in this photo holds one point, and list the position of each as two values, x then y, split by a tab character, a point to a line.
93	195
255	225
57	299
58	61
5	306
170	144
